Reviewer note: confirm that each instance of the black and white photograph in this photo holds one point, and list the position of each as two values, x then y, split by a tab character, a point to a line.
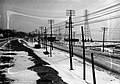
59	41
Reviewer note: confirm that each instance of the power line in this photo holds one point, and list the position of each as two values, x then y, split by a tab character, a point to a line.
92	17
112	30
100	15
100	20
118	4
95	21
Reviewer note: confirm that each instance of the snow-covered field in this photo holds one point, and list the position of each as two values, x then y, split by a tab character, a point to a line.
19	72
60	62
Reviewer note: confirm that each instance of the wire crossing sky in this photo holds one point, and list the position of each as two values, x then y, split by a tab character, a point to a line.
54	9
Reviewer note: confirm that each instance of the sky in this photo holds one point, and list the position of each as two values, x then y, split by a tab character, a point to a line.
44	10
54	8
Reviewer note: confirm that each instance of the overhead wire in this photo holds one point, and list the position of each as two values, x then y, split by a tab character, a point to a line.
96	21
100	15
99	11
99	20
118	4
112	30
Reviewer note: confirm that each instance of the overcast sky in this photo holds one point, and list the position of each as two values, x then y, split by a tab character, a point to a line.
47	9
54	8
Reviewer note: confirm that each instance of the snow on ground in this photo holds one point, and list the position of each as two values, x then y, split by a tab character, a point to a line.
19	72
60	62
21	66
23	77
23	53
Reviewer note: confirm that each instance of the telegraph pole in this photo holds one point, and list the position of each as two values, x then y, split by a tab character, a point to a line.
46	39
41	35
38	37
59	35
51	44
104	29
70	13
84	68
93	68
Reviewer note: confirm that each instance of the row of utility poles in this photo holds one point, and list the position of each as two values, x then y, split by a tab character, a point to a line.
45	38
51	39
71	13
92	58
84	59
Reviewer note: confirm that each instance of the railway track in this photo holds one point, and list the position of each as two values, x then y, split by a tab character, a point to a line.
106	61
4	41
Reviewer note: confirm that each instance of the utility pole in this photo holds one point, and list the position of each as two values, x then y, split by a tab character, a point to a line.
84	68
38	36
70	13
51	44
59	35
93	69
45	38
41	35
104	29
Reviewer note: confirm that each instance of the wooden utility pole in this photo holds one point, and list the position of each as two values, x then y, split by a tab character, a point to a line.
41	35
46	39
93	69
104	29
51	44
59	35
84	68
70	13
70	43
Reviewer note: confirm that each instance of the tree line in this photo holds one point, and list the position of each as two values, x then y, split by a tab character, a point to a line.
6	33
